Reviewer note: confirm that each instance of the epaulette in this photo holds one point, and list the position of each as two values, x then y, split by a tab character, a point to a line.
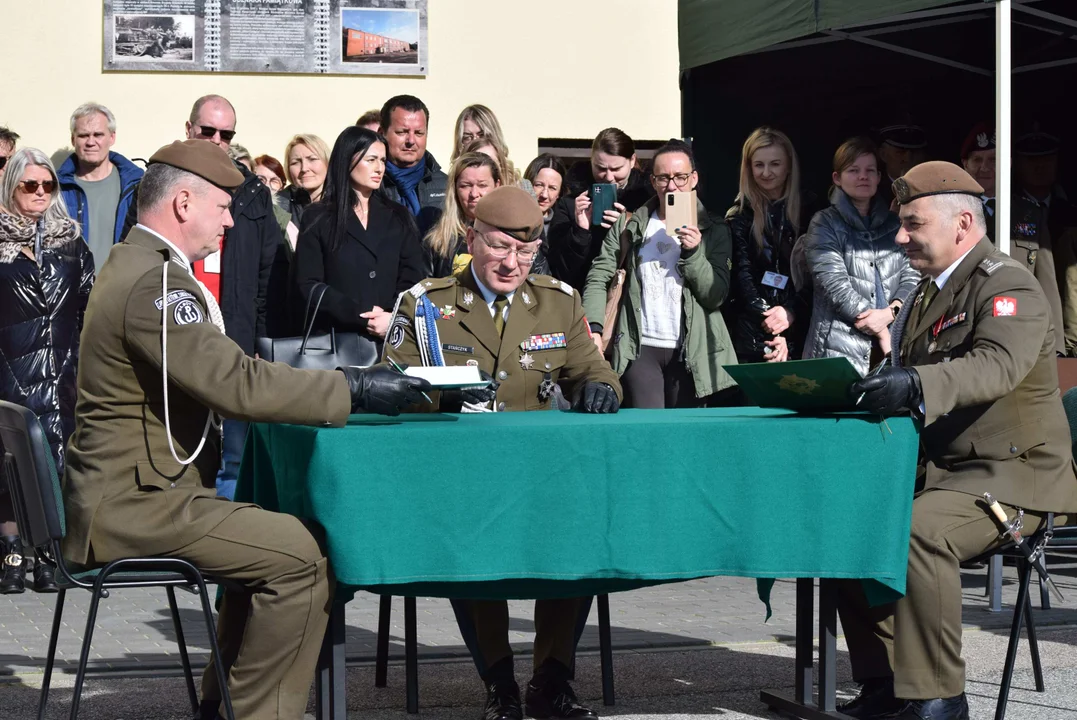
545	281
420	288
993	262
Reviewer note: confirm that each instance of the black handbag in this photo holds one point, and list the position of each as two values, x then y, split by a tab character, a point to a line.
319	351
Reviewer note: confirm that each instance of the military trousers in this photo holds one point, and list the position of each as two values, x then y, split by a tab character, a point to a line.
917	640
484	625
270	633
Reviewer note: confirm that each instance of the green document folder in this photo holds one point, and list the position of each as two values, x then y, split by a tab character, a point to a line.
821	384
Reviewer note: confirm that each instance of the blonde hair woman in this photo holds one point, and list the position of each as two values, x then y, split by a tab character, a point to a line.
306	160
471	176
474	123
766	219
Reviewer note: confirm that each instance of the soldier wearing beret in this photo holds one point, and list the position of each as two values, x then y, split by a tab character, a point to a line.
973	359
156	373
528	333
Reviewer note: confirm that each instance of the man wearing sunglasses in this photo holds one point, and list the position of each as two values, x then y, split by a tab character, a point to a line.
248	275
8	138
529	335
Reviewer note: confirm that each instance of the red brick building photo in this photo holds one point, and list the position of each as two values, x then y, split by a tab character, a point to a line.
359	42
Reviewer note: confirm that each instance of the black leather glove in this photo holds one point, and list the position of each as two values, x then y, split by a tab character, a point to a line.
890	392
380	389
596	397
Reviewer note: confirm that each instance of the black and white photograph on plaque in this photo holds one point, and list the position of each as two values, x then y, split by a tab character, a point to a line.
153	38
378	35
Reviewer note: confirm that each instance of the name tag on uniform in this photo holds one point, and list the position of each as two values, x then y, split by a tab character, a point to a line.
548	341
212	263
458	348
775	280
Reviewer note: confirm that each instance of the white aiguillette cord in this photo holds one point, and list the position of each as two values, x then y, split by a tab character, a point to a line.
210	422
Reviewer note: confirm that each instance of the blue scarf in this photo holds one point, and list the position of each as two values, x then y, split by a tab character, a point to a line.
406	180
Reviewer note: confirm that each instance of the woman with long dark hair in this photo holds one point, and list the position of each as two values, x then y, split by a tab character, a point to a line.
362	245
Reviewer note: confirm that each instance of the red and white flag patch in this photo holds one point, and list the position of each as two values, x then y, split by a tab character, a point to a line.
1004	306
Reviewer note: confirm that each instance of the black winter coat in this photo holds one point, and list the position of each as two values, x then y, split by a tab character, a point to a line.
254	265
372	266
744	307
41	309
571	248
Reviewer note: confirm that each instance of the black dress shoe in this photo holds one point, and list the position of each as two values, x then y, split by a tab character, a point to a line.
502	701
955	708
12	566
875	701
44	576
554	698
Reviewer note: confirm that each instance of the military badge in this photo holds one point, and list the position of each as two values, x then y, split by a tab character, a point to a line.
1003	306
187	312
447	312
469	297
526	297
952	321
173	297
547	341
901	190
472	363
526	361
546	387
395	336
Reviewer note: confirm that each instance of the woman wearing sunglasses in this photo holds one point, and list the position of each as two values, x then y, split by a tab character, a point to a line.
46	272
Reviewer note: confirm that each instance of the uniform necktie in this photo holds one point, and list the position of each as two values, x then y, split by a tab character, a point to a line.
929	294
499	313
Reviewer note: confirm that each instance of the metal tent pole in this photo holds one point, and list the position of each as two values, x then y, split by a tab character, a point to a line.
1003	124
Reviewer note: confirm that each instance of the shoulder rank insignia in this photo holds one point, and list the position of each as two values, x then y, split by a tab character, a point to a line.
417	290
989	265
565	287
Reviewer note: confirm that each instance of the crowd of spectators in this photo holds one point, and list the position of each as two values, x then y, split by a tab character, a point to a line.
798	267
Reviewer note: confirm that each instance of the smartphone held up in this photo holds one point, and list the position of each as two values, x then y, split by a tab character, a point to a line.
680	211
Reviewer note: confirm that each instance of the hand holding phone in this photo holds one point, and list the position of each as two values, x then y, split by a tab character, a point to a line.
680	212
603	198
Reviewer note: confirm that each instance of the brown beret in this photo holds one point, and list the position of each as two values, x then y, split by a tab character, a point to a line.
202	158
934	178
512	211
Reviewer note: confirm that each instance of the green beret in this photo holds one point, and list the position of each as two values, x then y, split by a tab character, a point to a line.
512	211
202	158
934	178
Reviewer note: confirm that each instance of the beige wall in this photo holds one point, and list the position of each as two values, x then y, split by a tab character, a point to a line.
559	68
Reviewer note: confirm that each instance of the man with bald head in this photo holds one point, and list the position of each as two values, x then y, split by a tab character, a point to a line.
973	359
156	374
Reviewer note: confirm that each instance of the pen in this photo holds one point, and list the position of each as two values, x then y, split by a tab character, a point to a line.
873	373
401	371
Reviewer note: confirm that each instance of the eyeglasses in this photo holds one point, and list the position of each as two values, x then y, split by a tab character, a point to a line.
501	252
30	186
680	179
468	137
208	131
273	183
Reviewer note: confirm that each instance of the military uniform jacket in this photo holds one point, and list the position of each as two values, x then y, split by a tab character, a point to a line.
124	494
984	351
546	338
1031	245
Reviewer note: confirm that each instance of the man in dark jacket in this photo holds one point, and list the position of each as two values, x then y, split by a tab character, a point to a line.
97	184
248	275
413	177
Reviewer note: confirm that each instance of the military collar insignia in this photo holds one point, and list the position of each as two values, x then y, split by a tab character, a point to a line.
469	297
526	297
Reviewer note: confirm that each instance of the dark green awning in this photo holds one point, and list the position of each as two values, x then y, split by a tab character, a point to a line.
711	30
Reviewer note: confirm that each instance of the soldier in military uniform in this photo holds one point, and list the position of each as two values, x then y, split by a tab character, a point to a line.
974	360
155	371
529	334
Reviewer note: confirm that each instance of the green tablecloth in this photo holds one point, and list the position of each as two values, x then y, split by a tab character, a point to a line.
547	504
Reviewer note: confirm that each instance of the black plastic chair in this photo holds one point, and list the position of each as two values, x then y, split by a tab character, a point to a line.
30	474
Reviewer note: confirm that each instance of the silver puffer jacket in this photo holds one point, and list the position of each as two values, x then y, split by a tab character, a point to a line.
844	251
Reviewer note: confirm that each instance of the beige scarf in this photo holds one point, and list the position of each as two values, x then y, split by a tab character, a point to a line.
18	232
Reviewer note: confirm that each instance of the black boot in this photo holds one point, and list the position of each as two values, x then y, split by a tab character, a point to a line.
12	566
44	573
874	701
